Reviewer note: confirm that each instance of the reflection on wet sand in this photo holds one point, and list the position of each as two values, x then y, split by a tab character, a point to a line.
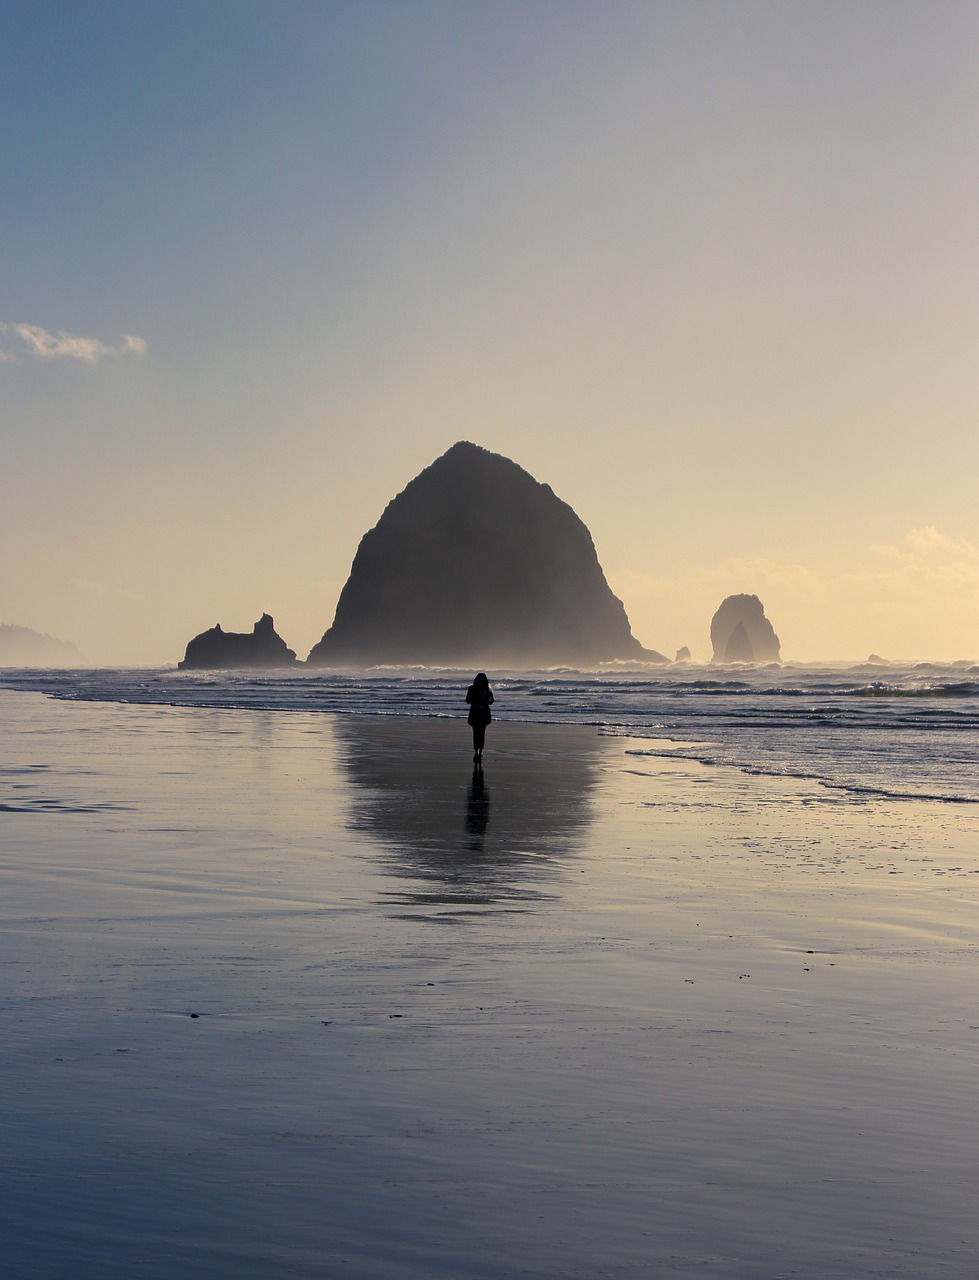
477	810
469	838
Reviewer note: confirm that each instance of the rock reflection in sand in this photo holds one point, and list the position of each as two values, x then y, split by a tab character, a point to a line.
467	838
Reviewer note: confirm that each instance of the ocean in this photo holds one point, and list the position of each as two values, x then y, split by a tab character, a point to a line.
898	731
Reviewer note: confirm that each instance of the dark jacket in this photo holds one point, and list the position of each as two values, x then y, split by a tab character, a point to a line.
479	704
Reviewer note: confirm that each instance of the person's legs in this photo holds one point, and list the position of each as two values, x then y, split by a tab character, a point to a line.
479	737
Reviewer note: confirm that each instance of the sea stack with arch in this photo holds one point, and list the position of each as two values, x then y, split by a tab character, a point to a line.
740	632
475	563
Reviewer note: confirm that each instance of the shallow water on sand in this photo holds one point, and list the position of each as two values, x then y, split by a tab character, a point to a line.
293	994
898	730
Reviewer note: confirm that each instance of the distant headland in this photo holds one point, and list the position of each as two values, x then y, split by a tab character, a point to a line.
24	647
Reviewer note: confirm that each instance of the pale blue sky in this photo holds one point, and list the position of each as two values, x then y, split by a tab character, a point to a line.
709	269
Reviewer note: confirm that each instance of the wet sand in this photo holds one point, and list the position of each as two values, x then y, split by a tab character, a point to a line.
298	995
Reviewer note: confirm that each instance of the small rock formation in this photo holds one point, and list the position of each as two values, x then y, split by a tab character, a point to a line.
682	655
740	632
875	660
216	648
475	563
24	647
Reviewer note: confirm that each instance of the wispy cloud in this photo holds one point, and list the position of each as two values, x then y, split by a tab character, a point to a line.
32	341
930	545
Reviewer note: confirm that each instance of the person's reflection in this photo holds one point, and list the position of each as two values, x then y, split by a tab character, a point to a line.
477	810
430	826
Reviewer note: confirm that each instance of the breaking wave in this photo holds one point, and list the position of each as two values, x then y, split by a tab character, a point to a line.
910	732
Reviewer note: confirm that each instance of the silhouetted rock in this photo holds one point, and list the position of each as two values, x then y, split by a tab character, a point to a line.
217	648
23	647
682	655
477	564
875	660
740	632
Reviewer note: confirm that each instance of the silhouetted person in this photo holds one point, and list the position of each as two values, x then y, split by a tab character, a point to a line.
479	695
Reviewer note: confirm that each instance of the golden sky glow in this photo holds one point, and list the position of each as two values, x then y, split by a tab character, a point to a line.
711	271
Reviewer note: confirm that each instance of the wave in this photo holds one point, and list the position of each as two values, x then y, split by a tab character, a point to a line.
881	790
961	689
914	732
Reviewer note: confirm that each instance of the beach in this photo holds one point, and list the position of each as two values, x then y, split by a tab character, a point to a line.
298	994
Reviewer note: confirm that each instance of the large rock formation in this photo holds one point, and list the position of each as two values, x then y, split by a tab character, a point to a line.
216	648
23	647
740	632
477	564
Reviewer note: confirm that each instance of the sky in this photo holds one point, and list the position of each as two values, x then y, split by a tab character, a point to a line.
710	269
